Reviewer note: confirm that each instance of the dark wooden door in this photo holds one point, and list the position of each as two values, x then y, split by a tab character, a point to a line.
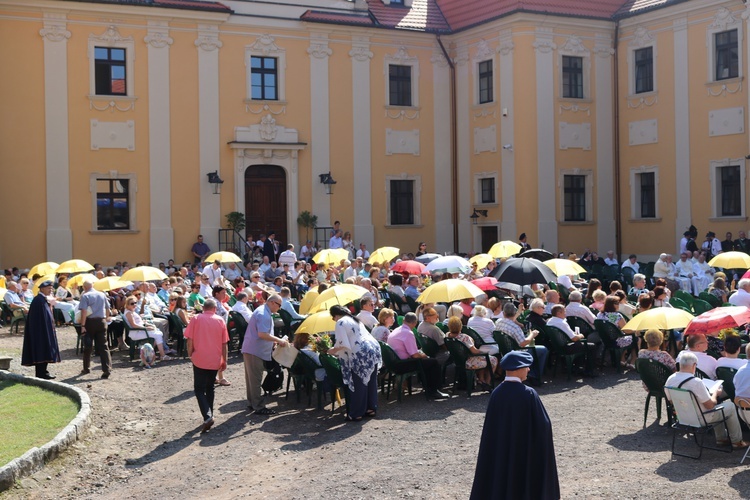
265	202
489	237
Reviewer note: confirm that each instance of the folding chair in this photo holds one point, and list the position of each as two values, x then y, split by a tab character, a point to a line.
691	419
743	410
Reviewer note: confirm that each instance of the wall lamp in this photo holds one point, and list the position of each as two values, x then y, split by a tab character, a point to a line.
475	216
328	182
213	178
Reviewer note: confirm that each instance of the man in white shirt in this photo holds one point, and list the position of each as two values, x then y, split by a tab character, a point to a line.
352	270
683	241
742	296
565	281
685	379
232	272
610	260
684	272
365	315
241	305
363	253
742	379
575	308
288	256
732	345
712	245
704	274
552	298
265	266
631	263
697	344
286	304
336	241
306	253
577	342
213	272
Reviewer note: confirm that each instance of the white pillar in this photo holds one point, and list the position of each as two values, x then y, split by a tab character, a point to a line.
681	129
463	105
605	166
544	47
320	131
59	234
364	231
443	229
208	44
161	234
508	229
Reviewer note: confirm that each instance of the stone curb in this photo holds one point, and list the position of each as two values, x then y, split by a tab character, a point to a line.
35	458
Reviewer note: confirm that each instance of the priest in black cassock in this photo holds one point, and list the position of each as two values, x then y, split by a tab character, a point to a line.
40	339
516	455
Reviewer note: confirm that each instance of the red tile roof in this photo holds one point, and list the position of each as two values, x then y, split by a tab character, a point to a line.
462	14
320	16
205	5
634	7
424	15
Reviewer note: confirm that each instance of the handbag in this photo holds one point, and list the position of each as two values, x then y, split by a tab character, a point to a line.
285	356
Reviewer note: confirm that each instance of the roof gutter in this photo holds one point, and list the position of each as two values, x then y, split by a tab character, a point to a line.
618	212
454	151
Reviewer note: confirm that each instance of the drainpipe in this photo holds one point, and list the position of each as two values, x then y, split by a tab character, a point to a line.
454	151
618	217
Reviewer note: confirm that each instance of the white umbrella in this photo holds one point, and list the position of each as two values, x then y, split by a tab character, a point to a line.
449	264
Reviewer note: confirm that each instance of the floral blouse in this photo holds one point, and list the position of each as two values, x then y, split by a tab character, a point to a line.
361	354
475	362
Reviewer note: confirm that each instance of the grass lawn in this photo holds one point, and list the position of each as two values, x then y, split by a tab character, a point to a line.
31	416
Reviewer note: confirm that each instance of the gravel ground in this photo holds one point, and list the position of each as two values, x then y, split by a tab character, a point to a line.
144	442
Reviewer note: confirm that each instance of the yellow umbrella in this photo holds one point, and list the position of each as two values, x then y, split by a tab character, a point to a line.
450	291
731	260
384	254
2	293
74	266
78	280
564	267
43	268
319	322
48	277
143	273
337	295
223	257
504	249
331	256
663	318
482	259
307	301
111	283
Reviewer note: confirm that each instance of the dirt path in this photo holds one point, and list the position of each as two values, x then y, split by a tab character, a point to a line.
144	443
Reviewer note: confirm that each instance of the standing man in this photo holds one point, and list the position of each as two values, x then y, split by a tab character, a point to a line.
524	244
362	253
94	328
200	250
742	244
269	249
207	340
516	454
257	348
40	339
288	256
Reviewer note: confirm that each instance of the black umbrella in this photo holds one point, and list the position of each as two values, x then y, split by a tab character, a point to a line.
520	290
426	258
522	271
537	253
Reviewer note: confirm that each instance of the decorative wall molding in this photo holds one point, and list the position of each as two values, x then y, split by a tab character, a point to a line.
485	111
266	130
643	132
401	57
506	45
573	45
485	139
641	38
112	135
462	56
575	136
319	48
723	19
438	58
401	114
108	104
401	142
641	102
265	45
575	108
544	41
208	39
361	49
723	89
55	28
484	51
111	36
158	39
726	121
264	108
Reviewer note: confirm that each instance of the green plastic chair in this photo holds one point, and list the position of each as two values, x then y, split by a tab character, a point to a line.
701	306
290	324
558	344
710	298
683	296
236	327
609	333
397	371
335	380
654	375
176	330
15	321
460	354
680	304
585	328
505	342
302	373
726	374
443	327
136	344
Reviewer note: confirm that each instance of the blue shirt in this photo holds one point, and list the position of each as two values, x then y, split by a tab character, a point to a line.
260	321
411	291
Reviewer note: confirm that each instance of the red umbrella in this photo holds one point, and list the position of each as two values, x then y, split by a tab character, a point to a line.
746	275
712	321
487	283
409	266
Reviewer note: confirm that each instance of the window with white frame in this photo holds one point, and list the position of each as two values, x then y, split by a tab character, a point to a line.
485	188
644	193
572	77
728	193
644	70
403	194
726	55
577	201
111	59
113	201
486	90
402	79
724	39
265	64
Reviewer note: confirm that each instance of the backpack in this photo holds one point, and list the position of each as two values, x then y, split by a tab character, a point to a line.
274	378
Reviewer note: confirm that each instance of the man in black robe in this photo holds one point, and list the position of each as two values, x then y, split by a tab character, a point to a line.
40	339
516	455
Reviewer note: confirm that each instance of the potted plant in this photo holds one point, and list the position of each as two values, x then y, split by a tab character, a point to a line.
236	221
308	221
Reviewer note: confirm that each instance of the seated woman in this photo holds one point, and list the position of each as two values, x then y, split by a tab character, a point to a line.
536	311
625	308
719	290
302	343
598	304
594	285
475	363
484	326
654	339
64	300
134	320
386	318
660	297
195	299
495	307
610	313
180	310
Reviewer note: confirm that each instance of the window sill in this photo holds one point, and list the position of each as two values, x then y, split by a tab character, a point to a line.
487	205
728	218
112	102
484	105
402	108
265	102
114	231
648	219
574	99
643	95
577	223
404	226
726	81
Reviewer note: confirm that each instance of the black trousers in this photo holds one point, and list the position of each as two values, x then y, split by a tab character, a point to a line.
203	385
40	370
95	337
430	367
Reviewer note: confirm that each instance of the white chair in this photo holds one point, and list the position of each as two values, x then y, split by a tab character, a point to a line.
691	419
743	410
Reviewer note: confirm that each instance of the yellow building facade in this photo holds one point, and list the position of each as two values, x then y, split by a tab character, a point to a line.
115	115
